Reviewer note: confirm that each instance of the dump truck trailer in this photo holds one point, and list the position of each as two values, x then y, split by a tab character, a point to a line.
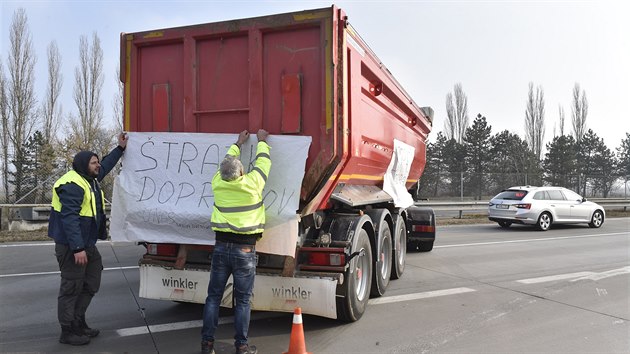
304	73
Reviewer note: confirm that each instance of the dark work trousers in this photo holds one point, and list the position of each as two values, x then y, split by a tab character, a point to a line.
78	283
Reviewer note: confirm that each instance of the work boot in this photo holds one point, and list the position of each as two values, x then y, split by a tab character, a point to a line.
207	347
68	336
80	326
246	349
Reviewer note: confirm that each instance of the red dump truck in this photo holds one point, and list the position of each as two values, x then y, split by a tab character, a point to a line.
304	73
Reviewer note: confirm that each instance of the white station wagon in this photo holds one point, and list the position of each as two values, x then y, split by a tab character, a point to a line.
542	207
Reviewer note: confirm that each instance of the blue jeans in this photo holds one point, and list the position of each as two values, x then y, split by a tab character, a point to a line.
239	261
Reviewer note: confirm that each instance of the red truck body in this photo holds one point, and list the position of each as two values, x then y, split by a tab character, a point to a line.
291	73
301	73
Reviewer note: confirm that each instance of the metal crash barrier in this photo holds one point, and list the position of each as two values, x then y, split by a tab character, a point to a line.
24	217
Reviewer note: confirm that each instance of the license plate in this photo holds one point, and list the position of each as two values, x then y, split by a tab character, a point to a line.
503	206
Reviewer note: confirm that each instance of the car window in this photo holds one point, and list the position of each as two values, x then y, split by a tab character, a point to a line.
541	195
555	194
571	195
511	195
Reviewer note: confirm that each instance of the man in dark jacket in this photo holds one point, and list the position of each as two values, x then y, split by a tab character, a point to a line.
77	220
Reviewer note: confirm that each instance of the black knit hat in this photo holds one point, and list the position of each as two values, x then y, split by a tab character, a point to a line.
82	161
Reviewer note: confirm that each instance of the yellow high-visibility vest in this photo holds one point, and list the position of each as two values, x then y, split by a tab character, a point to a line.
238	204
88	206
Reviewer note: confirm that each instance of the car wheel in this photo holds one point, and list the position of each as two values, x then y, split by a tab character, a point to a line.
544	221
505	224
597	220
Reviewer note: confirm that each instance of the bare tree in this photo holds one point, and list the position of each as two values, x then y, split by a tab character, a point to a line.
88	83
579	111
51	108
21	99
46	144
4	124
457	114
535	119
561	119
118	103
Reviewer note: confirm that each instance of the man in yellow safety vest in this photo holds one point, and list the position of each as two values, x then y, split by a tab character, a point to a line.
238	220
77	220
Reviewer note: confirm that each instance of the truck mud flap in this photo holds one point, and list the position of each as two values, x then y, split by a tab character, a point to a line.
420	228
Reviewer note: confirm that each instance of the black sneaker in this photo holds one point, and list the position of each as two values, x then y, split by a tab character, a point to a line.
246	349
207	347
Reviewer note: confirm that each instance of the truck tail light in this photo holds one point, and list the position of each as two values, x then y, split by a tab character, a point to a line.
422	228
159	249
326	259
523	206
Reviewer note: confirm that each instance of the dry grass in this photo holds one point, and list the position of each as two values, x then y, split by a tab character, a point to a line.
42	235
465	220
21	236
617	213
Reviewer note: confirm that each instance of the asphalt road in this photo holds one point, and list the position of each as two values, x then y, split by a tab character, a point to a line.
482	289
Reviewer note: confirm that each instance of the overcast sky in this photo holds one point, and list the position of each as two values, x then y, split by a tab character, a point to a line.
493	48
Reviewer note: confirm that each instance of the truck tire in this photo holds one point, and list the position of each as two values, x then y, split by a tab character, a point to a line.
383	260
382	252
356	287
400	247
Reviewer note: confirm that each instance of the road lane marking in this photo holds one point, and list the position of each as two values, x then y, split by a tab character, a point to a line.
57	272
554	278
52	243
175	326
532	240
604	275
134	331
428	294
437	246
577	276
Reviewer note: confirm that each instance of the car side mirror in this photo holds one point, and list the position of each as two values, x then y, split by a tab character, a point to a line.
583	200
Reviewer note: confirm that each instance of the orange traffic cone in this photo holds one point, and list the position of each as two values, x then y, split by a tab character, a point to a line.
297	344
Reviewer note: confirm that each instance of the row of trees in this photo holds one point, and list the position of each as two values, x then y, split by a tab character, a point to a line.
471	161
37	139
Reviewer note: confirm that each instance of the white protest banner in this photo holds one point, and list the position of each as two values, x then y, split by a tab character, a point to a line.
397	173
163	193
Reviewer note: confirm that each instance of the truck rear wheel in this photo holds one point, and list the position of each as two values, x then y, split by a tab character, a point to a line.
383	261
356	287
400	247
382	247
